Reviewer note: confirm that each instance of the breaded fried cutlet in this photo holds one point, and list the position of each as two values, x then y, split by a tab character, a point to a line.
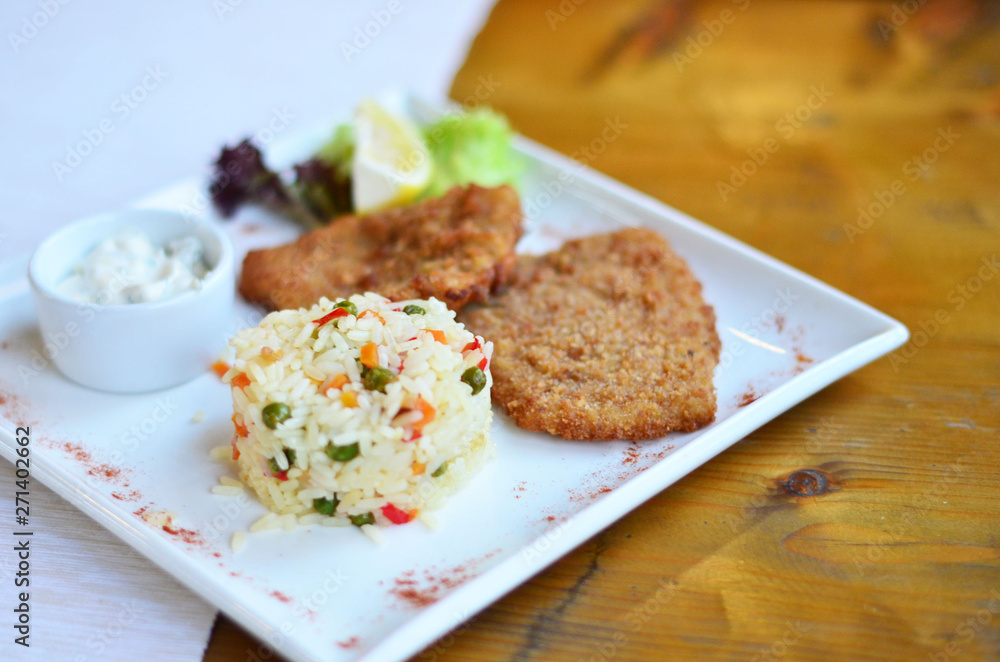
457	248
605	338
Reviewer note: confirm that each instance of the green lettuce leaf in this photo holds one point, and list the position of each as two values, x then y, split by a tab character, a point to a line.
339	151
473	147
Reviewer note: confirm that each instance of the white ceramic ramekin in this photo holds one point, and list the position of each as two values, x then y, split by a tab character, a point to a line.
133	348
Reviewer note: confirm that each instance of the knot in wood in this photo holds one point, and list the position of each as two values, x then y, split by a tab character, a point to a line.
806	482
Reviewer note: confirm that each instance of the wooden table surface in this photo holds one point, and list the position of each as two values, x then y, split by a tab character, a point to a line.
868	135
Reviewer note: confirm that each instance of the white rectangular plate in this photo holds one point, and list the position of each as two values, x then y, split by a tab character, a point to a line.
319	593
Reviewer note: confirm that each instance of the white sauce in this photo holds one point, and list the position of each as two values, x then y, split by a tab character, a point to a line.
128	268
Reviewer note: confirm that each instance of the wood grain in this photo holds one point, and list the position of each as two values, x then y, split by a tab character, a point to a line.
898	559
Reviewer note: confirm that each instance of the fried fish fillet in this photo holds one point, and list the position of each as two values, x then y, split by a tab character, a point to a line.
457	248
606	338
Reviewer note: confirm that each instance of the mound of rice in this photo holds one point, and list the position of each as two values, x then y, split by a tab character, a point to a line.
360	411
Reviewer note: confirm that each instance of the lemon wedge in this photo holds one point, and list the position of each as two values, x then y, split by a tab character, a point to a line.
391	164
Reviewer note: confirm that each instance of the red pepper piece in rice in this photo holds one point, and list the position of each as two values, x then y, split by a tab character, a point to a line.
332	315
397	515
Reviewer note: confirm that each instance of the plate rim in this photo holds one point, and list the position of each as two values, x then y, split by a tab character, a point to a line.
484	589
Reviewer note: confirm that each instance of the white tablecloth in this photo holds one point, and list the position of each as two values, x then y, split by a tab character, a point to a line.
102	103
